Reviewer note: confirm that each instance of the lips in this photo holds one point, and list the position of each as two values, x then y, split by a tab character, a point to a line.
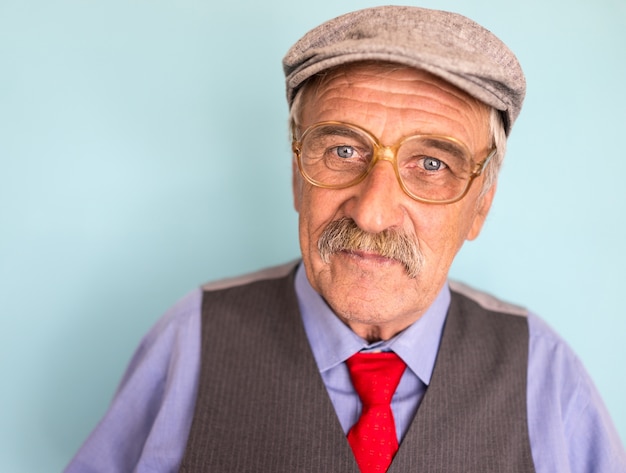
370	256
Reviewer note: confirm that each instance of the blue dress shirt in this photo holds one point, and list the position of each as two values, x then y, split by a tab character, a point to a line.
148	422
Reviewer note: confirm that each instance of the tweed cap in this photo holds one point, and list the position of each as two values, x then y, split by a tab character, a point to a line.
445	44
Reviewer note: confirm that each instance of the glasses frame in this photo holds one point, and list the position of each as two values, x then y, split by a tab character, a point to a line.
388	153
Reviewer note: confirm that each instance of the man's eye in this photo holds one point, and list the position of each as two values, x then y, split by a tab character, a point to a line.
433	164
345	151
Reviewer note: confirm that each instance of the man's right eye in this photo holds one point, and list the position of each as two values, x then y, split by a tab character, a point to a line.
345	151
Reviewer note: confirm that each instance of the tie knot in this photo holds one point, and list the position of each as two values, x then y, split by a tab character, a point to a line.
375	376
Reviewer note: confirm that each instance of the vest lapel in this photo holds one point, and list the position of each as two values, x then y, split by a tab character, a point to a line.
473	415
262	405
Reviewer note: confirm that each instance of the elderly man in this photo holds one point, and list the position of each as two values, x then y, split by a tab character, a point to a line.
363	357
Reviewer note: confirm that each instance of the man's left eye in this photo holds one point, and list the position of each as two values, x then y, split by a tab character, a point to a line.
433	164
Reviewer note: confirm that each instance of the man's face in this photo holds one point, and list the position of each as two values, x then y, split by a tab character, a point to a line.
374	295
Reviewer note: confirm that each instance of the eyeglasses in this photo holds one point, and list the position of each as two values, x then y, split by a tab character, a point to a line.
430	168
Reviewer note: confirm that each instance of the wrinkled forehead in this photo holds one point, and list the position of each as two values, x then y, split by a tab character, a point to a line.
346	75
352	92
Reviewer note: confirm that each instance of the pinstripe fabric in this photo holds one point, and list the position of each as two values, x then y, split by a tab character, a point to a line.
262	405
473	415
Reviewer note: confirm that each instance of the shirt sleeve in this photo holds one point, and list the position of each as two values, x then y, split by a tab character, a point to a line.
147	424
570	429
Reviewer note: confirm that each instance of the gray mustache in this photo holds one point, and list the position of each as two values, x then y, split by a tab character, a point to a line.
345	235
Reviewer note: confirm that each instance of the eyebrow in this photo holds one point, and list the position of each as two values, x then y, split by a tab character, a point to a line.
447	146
340	130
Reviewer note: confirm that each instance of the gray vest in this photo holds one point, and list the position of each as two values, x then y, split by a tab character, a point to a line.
262	405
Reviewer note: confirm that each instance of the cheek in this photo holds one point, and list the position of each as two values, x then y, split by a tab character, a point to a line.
441	231
314	213
296	186
318	207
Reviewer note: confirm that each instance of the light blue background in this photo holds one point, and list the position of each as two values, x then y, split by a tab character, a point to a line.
143	150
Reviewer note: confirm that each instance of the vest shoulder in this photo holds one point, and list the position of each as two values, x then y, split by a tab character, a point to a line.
273	272
486	300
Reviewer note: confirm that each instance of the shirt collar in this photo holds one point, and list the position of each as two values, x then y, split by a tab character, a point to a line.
332	342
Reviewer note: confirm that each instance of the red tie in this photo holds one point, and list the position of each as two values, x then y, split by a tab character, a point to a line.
375	377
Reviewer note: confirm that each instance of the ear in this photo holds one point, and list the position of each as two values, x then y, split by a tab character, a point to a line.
296	184
483	206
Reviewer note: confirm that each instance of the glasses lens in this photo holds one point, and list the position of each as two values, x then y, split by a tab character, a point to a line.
335	155
434	168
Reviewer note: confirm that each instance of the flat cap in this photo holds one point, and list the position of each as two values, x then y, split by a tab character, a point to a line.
445	44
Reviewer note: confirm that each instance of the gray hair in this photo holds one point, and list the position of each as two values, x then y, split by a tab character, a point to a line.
498	139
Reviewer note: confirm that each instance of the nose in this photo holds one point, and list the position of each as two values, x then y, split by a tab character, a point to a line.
377	204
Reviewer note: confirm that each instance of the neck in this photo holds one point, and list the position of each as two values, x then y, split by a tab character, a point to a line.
374	333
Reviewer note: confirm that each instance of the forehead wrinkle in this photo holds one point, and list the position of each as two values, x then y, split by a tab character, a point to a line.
464	104
400	99
468	114
429	84
374	117
421	98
